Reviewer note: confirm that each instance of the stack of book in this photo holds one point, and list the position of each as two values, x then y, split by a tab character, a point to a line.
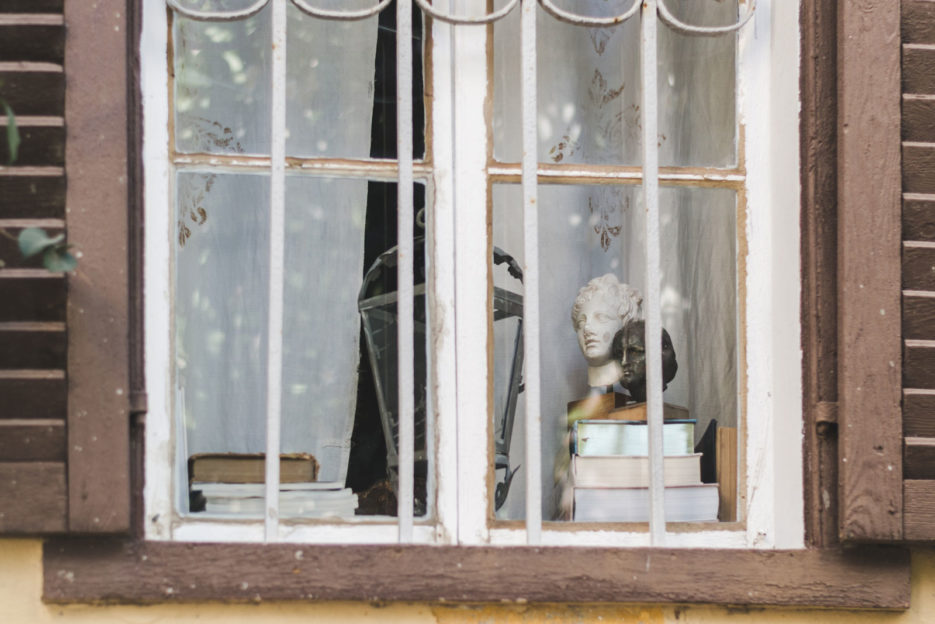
610	470
233	483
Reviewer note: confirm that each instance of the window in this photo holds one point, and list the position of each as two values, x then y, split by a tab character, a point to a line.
282	189
165	570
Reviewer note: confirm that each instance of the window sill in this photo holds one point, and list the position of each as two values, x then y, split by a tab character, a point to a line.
126	571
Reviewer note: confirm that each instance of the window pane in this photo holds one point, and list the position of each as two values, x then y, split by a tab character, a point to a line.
590	231
222	90
220	322
589	88
339	352
341	85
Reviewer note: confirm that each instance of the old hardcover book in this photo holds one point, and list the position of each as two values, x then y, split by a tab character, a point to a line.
686	503
250	467
595	406
627	437
637	411
628	471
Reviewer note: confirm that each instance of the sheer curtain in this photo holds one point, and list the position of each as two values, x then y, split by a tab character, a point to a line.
221	246
589	112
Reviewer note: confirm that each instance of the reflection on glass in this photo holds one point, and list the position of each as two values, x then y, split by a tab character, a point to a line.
590	231
590	94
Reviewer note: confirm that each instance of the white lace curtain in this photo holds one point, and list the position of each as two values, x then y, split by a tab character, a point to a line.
589	112
221	252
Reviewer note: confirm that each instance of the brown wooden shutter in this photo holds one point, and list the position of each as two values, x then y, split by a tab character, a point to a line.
869	354
64	389
918	268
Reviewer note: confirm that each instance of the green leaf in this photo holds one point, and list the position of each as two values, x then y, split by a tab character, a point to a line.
34	240
59	260
12	133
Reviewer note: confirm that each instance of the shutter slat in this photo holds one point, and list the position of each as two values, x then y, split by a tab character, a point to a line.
918	21
919	365
919	168
918	119
32	196
917	62
36	441
919	413
919	218
919	458
32	394
33	6
37	296
41	145
919	315
38	43
32	497
918	267
32	345
34	92
919	511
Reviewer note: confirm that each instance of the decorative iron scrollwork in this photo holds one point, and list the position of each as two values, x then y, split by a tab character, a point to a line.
703	31
467	20
583	20
219	15
345	16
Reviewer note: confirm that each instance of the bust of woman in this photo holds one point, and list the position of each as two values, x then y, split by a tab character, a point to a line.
601	309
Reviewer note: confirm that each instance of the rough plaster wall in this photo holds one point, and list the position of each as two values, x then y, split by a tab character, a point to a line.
21	586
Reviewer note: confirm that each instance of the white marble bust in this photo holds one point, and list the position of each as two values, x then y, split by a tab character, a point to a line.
601	309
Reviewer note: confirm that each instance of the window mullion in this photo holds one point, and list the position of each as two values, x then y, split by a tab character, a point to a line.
404	266
531	276
469	69
276	268
441	293
651	299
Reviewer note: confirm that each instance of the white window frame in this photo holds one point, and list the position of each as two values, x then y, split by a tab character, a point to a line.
772	500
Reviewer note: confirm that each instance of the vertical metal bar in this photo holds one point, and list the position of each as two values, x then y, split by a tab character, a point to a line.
531	275
404	222
277	209
652	306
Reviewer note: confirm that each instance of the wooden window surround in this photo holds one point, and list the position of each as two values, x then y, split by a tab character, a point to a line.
850	220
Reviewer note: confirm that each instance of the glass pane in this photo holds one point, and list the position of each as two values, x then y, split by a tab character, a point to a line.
590	232
697	101
341	85
222	85
220	322
374	445
589	87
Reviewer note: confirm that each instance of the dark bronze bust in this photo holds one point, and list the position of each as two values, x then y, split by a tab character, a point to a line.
629	349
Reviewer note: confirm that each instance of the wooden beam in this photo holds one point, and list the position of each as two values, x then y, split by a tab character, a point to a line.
869	297
158	572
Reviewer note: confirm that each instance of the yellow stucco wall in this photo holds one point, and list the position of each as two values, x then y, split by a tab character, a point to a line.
21	586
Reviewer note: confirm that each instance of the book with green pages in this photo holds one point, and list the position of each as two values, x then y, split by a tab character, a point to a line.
627	437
